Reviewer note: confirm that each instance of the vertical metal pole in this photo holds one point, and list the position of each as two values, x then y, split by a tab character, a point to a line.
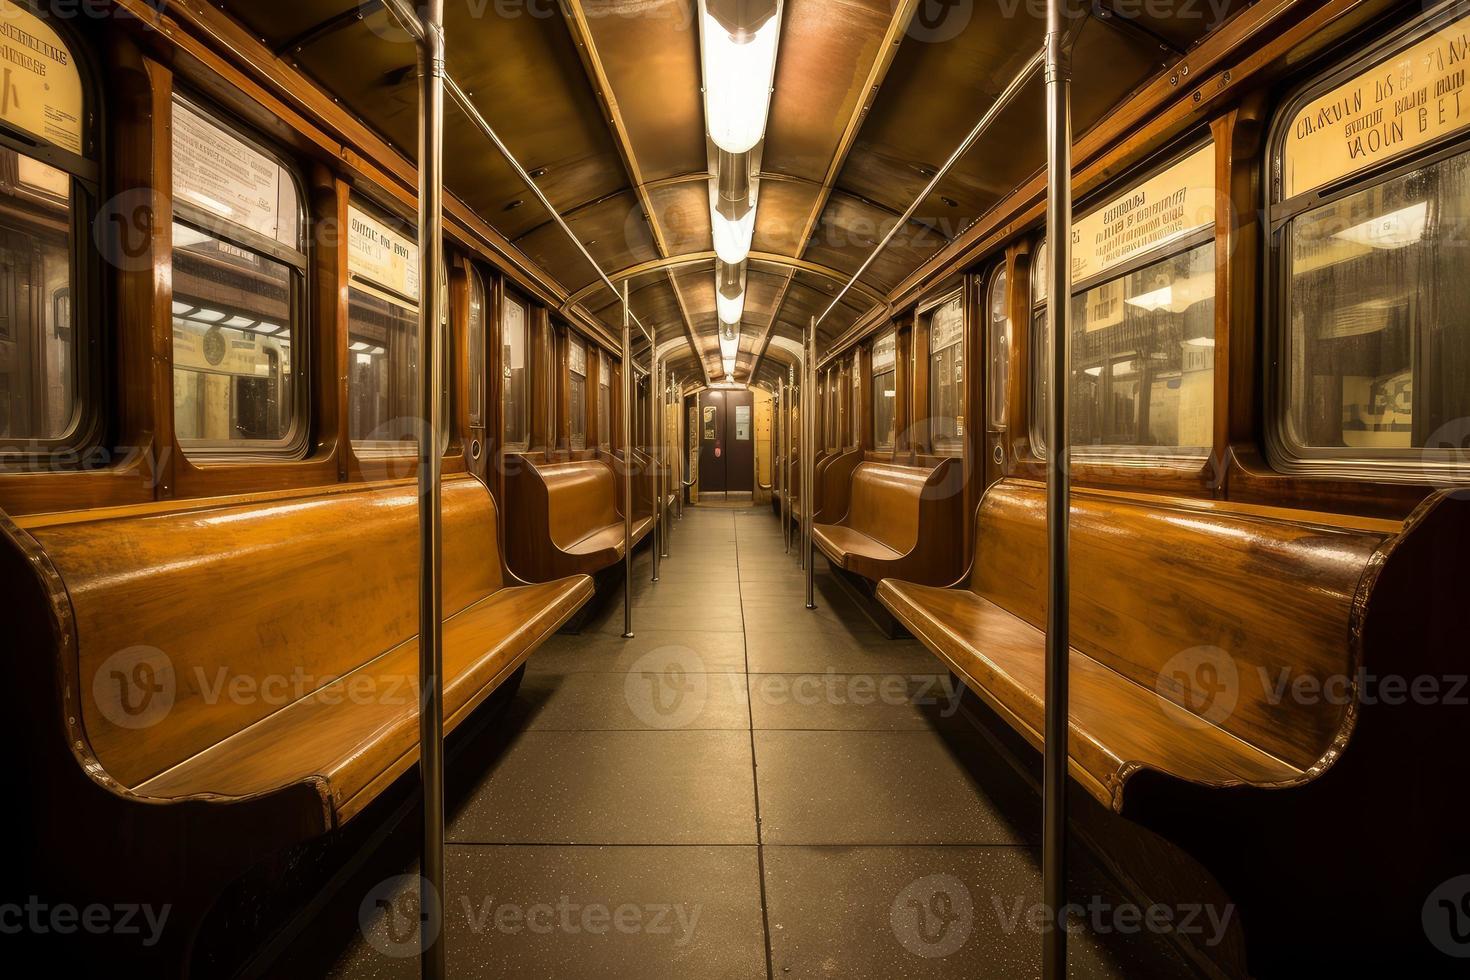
786	404
628	408
1058	488
655	486
808	467
431	532
683	441
665	459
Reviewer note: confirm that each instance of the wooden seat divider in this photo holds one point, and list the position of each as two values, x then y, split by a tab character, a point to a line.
208	684
565	518
1219	658
901	522
833	483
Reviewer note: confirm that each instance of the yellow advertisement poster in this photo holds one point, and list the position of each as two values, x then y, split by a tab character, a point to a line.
1404	102
382	256
1169	205
40	87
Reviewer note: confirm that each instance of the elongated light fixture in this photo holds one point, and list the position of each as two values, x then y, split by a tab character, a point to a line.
739	53
733	234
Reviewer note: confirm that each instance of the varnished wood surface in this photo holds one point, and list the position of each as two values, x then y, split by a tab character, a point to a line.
901	522
1258	593
565	518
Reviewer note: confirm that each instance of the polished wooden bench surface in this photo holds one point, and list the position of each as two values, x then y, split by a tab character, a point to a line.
832	481
1181	616
564	518
901	522
306	594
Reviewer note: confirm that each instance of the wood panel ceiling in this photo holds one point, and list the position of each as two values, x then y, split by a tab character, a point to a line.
601	101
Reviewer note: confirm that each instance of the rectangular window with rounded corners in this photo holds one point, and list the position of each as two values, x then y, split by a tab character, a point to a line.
239	278
885	391
49	165
831	394
947	376
476	351
1141	338
515	380
1370	219
855	426
998	342
604	402
577	393
382	338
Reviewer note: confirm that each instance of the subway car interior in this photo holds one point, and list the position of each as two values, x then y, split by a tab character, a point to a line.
736	488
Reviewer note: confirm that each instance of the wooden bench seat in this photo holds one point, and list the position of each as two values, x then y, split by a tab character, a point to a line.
901	522
565	518
212	683
1241	685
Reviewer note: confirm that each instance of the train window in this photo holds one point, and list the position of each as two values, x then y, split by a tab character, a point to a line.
998	321
1142	344
239	273
855	426
577	393
1371	215
515	397
946	377
47	180
477	350
885	391
382	337
604	402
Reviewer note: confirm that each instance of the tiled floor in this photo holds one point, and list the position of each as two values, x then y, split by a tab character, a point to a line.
745	789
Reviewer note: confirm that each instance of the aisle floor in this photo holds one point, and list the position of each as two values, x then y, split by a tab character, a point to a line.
745	789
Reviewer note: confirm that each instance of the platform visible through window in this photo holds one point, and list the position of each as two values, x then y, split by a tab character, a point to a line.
947	377
239	268
885	391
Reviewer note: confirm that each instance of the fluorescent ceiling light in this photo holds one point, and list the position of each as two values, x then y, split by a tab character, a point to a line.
739	69
728	363
732	237
730	308
1393	230
729	345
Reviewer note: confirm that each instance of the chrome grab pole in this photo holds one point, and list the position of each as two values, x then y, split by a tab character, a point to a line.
787	412
1058	489
665	460
432	950
655	490
628	409
683	439
808	468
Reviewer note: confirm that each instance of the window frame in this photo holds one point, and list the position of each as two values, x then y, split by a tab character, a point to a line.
89	308
874	375
295	444
998	370
510	298
1409	465
1039	326
925	313
476	348
575	341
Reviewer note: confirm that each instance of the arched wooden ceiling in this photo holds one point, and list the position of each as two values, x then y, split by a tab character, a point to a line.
600	100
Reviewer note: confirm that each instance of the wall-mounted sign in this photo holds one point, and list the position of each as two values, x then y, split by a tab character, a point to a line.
946	325
1400	103
884	353
382	256
1169	205
40	87
577	357
213	350
709	423
230	179
604	373
742	423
